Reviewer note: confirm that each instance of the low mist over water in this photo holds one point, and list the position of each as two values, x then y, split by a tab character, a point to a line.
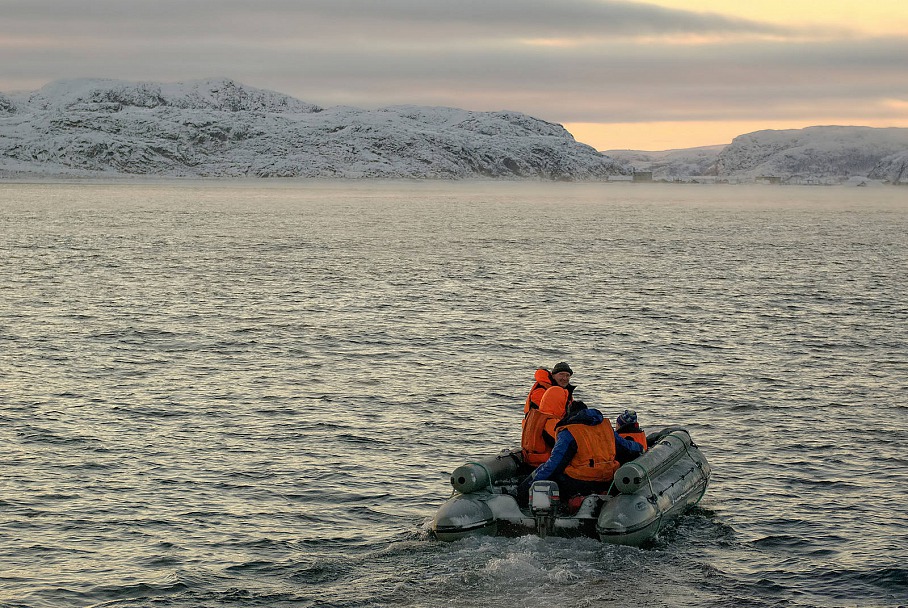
253	393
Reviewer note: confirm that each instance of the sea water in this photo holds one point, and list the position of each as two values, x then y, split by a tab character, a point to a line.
253	393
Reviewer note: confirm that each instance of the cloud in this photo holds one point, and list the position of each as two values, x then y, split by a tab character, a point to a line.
375	20
567	61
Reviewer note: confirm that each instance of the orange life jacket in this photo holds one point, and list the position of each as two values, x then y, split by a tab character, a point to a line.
555	401
543	381
595	457
639	436
536	427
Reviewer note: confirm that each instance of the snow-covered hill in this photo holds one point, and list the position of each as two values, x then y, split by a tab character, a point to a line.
818	155
220	128
684	164
892	168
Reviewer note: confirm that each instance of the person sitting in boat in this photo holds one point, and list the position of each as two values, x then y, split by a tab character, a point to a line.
626	426
544	379
585	455
538	435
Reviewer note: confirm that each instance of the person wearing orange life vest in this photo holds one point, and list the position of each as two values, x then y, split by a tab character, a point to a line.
626	426
538	434
585	455
544	379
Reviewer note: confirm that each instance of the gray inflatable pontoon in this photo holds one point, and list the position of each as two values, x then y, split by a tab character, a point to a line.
646	494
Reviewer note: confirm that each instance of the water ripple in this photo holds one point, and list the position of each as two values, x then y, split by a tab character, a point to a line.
254	394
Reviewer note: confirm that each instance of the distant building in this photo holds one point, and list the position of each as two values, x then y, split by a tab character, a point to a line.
769	179
643	176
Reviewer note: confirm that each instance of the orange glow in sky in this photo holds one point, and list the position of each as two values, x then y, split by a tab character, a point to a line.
656	136
840	18
863	17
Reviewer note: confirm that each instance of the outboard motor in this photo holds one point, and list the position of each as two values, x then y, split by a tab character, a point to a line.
544	500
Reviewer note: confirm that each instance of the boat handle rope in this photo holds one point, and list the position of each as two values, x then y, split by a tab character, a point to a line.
652	491
683	475
653	499
697	465
655	502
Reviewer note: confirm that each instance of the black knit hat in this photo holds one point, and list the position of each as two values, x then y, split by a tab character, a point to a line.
562	367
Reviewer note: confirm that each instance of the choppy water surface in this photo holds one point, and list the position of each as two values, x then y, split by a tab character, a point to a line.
251	394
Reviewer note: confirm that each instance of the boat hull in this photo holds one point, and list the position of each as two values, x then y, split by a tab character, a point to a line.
670	478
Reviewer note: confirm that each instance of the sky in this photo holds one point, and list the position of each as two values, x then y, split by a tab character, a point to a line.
656	75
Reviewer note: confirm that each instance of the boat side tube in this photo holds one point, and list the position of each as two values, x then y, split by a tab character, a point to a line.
631	476
480	514
670	484
464	516
480	475
476	507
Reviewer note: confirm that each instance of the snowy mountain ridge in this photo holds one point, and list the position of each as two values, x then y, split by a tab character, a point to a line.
684	163
220	128
212	94
819	155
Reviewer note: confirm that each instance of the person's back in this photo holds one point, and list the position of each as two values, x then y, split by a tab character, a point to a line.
594	460
538	435
583	457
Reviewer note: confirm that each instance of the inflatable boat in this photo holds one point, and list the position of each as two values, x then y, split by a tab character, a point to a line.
645	495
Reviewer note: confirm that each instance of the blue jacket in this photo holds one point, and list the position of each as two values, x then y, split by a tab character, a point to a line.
566	446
